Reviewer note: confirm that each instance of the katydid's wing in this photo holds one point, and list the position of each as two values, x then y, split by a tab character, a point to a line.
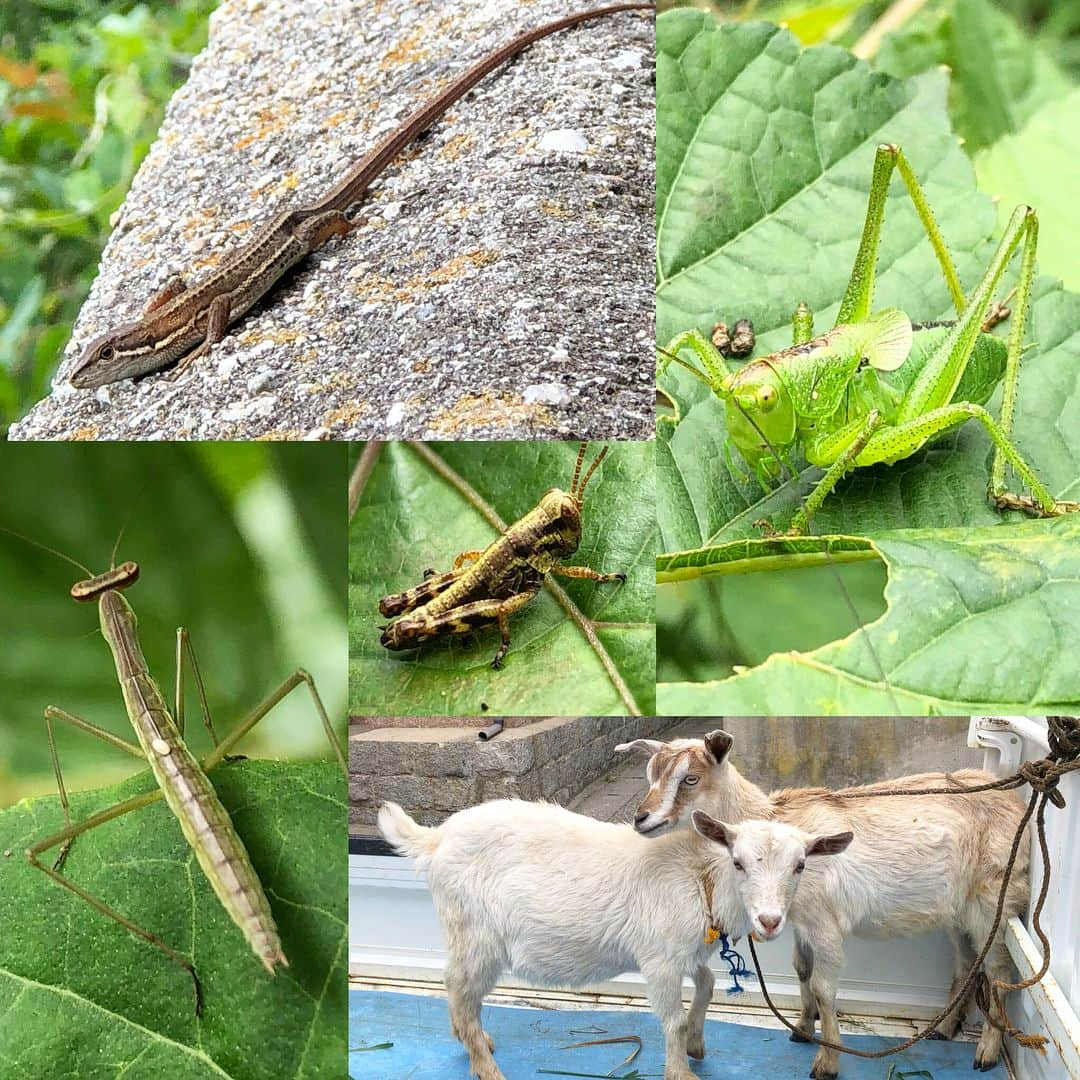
889	339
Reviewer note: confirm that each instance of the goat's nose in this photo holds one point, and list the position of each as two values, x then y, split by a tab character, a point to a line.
769	922
640	818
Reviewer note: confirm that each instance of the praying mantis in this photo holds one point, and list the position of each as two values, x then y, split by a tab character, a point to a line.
876	388
182	780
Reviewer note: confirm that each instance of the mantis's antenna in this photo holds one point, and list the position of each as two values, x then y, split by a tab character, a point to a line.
577	467
45	547
592	468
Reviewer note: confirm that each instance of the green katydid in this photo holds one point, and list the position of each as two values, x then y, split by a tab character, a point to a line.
876	388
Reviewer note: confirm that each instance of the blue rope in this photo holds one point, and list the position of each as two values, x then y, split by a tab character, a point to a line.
736	965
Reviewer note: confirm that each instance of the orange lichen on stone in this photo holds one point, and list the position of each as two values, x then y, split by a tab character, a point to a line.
455	147
85	434
489	410
409	50
345	414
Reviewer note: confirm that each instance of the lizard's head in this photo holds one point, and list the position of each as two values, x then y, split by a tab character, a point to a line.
119	354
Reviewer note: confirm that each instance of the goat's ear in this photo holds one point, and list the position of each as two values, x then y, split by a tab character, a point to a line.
829	845
719	744
712	829
651	745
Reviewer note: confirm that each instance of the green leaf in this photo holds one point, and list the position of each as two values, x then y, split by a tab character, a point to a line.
411	517
762	186
978	620
1039	165
999	77
82	996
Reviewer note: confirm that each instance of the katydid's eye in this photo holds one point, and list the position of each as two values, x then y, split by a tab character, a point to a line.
690	781
800	866
766	398
106	352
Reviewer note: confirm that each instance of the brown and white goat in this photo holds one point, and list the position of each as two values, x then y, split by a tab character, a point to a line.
918	863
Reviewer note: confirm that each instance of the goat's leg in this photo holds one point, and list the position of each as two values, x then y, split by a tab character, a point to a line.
803	962
704	981
828	960
469	977
997	966
963	958
665	996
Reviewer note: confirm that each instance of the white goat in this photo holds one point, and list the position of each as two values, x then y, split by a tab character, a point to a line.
560	899
917	864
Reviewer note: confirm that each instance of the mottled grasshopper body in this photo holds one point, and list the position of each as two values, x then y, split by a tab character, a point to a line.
501	579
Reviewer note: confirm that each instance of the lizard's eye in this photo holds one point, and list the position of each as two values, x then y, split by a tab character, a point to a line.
107	352
766	398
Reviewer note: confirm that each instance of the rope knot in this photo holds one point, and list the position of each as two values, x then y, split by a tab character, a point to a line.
1043	776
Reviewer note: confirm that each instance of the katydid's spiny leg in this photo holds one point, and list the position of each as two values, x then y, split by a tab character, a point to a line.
716	371
66	835
287	687
859	295
802	324
845	460
936	383
183	645
52	712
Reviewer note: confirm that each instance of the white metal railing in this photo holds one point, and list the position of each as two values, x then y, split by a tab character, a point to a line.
1050	1006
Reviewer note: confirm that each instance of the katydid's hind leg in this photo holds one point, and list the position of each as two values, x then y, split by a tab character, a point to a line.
184	646
52	712
66	835
298	677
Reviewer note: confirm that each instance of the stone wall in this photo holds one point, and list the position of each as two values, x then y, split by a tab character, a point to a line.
433	772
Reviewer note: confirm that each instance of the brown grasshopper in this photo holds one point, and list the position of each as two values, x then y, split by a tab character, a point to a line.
501	579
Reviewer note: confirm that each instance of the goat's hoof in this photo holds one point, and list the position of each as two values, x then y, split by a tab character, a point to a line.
696	1050
798	1036
820	1073
938	1036
983	1066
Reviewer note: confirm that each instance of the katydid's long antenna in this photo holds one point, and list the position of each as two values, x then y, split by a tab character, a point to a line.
45	547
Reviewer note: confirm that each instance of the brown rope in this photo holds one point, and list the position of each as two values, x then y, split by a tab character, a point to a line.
1043	777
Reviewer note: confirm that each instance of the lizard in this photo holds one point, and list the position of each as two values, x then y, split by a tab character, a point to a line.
181	322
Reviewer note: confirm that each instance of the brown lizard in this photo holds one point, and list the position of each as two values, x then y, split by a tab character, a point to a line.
181	322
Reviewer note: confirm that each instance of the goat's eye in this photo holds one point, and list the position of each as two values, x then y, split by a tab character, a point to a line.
690	781
736	864
800	866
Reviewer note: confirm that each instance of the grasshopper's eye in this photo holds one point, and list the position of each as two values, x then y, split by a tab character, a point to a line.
107	352
766	397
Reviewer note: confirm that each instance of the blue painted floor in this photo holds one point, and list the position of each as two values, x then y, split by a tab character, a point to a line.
528	1041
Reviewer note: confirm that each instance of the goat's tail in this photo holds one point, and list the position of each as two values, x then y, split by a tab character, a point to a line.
406	835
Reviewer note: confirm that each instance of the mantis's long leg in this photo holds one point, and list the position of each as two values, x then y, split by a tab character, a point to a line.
291	683
184	646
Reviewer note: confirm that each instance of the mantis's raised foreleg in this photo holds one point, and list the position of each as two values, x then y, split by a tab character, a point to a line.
855	306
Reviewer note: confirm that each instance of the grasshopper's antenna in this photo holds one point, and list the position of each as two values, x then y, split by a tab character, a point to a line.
580	494
45	547
577	468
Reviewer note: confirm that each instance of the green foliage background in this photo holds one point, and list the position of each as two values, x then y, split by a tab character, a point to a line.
1008	93
83	85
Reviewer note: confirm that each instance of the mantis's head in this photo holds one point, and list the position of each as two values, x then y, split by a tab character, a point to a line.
563	508
760	414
